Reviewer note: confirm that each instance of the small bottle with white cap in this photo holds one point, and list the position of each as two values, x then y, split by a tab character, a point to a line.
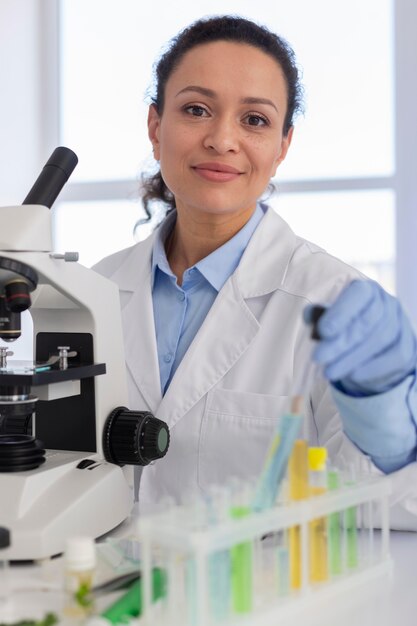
80	565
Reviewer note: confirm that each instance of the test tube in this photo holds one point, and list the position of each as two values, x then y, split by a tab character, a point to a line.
172	600
350	525
191	590
266	568
368	516
277	457
283	559
335	545
318	527
241	555
219	563
298	490
370	523
194	516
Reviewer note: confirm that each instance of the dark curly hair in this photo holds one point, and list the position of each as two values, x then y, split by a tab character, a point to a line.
207	30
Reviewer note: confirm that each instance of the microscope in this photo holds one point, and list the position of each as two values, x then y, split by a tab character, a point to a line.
67	440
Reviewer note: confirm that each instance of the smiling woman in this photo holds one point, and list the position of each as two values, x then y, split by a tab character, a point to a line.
219	140
248	43
213	301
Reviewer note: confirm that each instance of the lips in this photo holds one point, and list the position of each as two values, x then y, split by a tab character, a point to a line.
217	167
216	172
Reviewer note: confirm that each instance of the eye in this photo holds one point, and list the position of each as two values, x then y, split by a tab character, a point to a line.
196	110
254	119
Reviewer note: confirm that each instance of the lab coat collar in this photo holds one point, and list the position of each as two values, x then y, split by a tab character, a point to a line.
159	258
135	266
261	269
265	262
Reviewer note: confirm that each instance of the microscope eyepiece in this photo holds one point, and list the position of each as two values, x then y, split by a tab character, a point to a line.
53	177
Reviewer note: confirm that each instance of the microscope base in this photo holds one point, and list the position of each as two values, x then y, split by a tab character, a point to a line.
43	507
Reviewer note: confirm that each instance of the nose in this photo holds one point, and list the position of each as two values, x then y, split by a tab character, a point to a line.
222	136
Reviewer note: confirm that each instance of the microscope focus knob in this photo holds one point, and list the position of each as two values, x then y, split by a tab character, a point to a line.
134	437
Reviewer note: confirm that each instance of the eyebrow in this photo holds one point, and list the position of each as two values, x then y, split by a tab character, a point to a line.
212	94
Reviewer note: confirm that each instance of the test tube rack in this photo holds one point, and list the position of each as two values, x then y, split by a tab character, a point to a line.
182	541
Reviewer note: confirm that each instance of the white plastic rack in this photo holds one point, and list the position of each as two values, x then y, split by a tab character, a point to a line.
199	559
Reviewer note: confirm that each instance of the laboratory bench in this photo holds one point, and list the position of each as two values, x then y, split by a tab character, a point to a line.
37	590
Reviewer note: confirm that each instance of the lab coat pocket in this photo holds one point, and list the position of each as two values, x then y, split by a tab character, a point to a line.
236	431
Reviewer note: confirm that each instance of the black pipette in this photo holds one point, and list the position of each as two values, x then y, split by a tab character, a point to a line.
315	314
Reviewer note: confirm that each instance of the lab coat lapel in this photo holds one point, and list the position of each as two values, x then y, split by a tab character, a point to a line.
141	349
226	333
134	279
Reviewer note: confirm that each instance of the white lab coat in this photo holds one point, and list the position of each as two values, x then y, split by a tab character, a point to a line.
236	377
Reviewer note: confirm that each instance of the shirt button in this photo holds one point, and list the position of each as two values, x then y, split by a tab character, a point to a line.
168	357
181	296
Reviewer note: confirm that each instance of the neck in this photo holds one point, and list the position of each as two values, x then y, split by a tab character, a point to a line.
193	239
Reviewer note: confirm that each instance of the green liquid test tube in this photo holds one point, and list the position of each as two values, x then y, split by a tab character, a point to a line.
241	557
334	537
351	537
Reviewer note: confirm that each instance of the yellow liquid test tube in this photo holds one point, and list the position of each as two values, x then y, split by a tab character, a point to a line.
318	528
298	490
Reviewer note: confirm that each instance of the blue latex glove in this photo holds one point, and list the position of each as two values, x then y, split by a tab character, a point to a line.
367	345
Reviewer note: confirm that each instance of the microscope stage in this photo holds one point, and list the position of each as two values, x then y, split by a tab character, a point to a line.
30	378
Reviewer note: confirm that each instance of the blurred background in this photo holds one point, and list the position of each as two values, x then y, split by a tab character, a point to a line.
77	73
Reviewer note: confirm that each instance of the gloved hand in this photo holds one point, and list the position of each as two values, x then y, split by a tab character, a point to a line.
367	345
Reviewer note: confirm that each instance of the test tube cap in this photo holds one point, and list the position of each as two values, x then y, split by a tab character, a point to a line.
317	458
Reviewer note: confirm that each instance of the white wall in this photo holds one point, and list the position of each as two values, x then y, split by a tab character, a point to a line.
406	159
21	124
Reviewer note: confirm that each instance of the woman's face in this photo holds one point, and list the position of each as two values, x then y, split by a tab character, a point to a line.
220	137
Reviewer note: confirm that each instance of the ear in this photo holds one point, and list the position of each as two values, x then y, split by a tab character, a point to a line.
154	123
285	144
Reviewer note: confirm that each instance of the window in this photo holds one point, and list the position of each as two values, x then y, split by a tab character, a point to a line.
356	226
340	168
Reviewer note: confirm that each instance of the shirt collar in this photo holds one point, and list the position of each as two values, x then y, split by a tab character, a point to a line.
218	266
159	258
